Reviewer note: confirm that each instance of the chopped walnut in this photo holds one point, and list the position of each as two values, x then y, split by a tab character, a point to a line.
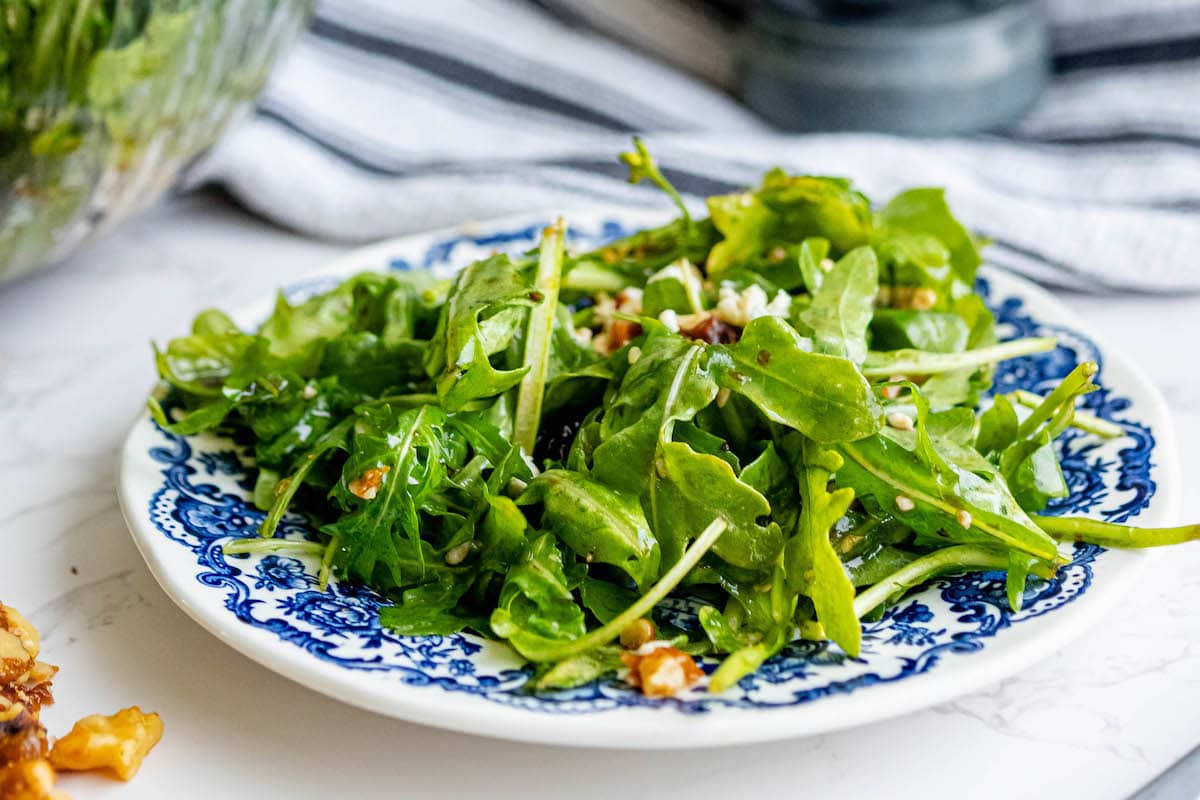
662	672
367	485
119	742
29	780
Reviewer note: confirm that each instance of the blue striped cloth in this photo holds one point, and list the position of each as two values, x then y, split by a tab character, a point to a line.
392	117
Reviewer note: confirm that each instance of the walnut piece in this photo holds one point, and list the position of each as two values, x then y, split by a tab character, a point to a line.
367	485
119	742
29	780
662	672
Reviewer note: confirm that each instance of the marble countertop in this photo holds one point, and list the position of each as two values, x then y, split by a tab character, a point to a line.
1097	719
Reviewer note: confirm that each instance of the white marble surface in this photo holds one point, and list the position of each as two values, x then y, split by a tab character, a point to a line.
1097	719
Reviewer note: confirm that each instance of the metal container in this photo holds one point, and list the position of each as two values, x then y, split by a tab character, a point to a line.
924	67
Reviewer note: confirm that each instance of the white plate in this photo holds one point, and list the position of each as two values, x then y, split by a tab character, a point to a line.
184	498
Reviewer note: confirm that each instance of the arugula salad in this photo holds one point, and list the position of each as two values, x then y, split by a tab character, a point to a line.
778	411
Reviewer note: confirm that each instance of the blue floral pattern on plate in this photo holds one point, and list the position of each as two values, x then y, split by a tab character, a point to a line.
203	501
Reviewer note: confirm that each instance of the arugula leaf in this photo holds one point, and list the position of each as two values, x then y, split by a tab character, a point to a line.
824	397
536	608
395	466
924	212
431	609
200	363
842	306
689	488
811	564
668	383
596	522
932	331
937	489
485	306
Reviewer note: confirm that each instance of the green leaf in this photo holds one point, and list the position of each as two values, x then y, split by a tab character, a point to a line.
430	609
690	489
932	331
941	481
401	455
924	211
746	225
598	523
536	607
677	287
482	312
200	363
842	307
811	563
605	599
1031	468
824	397
997	426
501	535
667	383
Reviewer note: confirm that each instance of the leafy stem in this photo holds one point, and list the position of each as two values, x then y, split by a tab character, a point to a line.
642	166
538	337
958	557
1076	383
263	546
1084	420
1110	534
644	604
919	362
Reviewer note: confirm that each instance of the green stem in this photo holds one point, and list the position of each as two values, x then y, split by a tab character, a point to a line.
960	557
283	496
642	165
538	338
920	362
413	400
643	605
264	546
1110	534
1074	384
327	563
1084	420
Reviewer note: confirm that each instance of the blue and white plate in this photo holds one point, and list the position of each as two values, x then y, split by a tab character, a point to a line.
183	498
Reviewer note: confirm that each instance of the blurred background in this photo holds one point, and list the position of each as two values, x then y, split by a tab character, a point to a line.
1067	130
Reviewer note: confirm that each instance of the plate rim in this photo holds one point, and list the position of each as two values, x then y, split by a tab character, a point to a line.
644	728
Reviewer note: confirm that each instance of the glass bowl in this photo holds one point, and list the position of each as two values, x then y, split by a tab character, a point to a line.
104	102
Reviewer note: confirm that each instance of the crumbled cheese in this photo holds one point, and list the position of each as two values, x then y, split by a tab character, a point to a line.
671	319
739	308
583	336
905	503
900	421
964	518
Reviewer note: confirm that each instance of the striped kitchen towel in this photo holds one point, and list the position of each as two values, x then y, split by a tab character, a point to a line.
392	117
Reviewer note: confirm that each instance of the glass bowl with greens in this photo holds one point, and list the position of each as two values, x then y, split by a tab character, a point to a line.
103	102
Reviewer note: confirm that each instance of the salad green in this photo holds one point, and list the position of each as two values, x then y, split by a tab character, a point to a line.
774	410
